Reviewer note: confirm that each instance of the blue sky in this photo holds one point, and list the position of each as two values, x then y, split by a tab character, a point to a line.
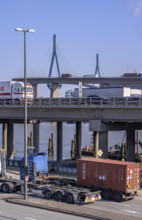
83	28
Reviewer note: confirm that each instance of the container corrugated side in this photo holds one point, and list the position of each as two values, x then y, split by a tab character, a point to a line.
117	175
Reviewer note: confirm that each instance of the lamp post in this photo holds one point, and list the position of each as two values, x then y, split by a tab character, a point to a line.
25	109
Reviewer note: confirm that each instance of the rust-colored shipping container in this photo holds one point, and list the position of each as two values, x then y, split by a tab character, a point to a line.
110	175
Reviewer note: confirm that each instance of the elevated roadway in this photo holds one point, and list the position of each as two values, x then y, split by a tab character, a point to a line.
74	109
121	81
102	117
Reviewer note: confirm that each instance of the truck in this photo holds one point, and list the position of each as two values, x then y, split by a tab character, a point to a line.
117	180
107	92
53	187
37	163
96	178
15	91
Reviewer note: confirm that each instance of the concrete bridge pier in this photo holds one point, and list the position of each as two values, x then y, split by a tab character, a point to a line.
100	142
59	141
103	143
36	132
4	136
55	90
78	139
10	140
130	145
95	143
35	90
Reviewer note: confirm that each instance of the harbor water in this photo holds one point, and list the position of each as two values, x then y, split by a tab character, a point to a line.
46	129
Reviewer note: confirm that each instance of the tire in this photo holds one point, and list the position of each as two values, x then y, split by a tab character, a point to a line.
69	198
7	187
59	196
106	194
48	194
117	196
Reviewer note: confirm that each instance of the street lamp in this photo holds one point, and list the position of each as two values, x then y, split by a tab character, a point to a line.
25	109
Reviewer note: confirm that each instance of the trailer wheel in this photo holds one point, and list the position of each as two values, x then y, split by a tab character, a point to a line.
106	194
7	187
48	194
59	196
117	196
69	198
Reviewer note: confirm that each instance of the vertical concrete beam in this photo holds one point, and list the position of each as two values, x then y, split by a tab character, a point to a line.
10	140
78	139
4	136
55	90
130	145
35	90
59	141
36	133
103	143
95	143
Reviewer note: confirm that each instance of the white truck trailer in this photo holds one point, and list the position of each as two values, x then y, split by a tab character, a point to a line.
14	90
107	92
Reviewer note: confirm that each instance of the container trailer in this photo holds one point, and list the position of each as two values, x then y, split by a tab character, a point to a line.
107	92
117	180
96	178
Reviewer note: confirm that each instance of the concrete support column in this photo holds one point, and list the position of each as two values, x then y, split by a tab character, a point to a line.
10	140
4	136
95	143
35	90
130	145
55	90
36	131
59	141
78	139
103	143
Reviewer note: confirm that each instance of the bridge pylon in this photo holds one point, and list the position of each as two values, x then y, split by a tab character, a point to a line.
53	87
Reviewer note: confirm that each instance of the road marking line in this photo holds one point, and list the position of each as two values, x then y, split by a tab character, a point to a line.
115	203
30	218
133	212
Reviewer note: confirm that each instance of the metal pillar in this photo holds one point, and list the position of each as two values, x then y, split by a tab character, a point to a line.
36	131
103	143
78	139
4	136
130	145
10	141
59	140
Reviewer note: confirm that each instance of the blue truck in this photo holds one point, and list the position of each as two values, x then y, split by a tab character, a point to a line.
37	164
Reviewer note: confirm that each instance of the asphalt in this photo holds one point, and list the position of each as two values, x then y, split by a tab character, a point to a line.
75	209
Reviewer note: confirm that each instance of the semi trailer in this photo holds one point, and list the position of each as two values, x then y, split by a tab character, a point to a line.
15	91
107	92
96	178
117	180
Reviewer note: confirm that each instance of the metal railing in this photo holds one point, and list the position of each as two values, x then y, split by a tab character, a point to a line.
112	102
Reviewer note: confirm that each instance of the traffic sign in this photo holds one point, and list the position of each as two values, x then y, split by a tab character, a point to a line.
26	178
100	152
